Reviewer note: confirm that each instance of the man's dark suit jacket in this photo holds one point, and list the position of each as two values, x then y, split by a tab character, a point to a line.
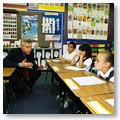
15	56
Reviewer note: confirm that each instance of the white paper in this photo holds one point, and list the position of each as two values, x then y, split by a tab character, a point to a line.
110	101
88	80
74	68
56	60
95	105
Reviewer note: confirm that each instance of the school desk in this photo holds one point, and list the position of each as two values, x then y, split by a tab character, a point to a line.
57	66
6	74
99	104
87	90
65	77
7	71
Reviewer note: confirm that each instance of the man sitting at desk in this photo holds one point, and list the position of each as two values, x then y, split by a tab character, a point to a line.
26	72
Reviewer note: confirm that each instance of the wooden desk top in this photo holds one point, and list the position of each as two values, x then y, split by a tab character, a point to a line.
57	65
7	71
88	90
101	101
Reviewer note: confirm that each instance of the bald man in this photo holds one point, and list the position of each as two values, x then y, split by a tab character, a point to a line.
27	71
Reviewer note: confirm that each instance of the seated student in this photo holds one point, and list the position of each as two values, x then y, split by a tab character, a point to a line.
67	57
26	72
105	65
83	59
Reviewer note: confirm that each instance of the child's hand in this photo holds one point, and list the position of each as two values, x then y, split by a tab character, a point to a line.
81	56
78	54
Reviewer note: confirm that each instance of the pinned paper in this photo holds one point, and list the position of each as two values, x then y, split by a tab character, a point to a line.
47	55
56	54
38	54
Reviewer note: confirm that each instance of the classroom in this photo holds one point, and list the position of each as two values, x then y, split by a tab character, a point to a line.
58	58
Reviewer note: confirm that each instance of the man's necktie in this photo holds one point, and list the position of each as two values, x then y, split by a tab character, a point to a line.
25	74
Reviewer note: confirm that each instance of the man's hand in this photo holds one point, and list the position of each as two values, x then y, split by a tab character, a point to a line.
25	64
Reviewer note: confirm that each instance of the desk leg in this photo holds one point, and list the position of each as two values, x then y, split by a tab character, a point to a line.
8	99
60	90
52	82
46	73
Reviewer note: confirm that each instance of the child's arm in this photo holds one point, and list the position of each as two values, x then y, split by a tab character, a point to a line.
65	60
80	62
73	61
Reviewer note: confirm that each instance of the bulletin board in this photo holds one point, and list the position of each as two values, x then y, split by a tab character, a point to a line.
44	37
88	21
9	26
51	26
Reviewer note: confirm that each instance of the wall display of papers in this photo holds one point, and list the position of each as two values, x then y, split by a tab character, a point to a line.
51	24
29	27
88	21
9	26
32	6
51	37
59	7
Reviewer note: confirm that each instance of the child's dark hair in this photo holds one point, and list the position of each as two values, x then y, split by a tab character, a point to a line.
87	49
73	43
109	57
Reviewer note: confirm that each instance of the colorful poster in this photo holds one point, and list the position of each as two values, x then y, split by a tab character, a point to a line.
29	27
88	21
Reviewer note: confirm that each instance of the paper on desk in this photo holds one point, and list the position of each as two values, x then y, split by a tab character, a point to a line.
110	101
98	108
88	80
48	61
56	60
74	68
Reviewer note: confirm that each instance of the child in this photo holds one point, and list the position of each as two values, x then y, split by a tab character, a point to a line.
71	52
105	65
83	59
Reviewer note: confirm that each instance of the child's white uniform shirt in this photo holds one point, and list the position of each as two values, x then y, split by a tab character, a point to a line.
87	63
100	73
69	56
